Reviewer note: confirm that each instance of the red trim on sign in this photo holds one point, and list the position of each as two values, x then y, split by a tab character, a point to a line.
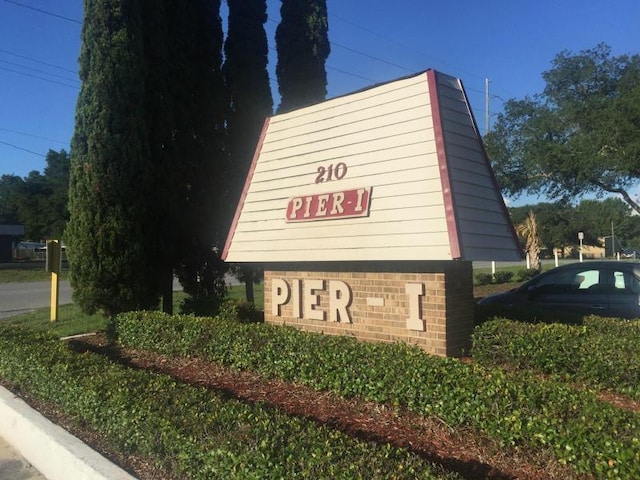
245	189
447	193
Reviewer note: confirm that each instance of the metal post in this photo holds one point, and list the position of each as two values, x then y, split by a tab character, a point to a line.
580	238
53	265
613	242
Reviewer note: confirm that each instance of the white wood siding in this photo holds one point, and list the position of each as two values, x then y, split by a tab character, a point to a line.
385	137
484	229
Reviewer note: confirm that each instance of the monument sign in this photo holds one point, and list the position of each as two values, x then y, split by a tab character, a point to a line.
367	211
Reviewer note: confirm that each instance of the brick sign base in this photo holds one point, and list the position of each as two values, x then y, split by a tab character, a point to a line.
428	304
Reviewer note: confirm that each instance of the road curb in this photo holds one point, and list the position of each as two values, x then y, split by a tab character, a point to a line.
53	451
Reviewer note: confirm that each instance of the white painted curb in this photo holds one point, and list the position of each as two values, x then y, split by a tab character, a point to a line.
53	451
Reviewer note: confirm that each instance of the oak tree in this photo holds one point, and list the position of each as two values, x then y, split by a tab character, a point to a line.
580	136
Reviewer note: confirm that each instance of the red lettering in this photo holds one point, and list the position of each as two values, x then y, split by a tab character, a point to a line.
325	206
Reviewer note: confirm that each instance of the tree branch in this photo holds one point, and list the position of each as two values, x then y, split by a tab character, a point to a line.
620	191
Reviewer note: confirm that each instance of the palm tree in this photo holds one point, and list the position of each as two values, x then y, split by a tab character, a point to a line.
529	230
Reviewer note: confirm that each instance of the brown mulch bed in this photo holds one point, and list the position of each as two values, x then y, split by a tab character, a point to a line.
463	451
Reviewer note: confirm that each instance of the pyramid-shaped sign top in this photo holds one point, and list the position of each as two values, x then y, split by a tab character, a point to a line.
393	172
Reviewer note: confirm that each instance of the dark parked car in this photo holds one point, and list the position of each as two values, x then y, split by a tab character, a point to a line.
570	292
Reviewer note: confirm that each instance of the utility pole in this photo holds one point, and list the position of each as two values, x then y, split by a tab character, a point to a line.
486	106
613	242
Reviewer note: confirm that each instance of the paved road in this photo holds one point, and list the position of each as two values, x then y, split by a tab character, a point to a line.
16	298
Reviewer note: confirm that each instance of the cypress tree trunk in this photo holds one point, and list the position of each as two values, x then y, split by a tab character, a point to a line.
167	293
248	290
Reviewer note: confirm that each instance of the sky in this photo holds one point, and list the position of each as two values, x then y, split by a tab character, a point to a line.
510	43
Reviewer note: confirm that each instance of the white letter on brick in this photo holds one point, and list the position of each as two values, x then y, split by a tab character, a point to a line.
415	291
311	299
279	295
296	290
339	301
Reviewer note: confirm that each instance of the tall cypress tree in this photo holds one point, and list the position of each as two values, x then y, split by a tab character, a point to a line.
111	179
146	154
158	108
249	98
247	84
197	143
303	47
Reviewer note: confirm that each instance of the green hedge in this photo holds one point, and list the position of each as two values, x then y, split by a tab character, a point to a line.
517	409
193	432
604	353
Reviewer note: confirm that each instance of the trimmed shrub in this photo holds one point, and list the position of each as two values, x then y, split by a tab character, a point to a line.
526	274
240	310
488	279
483	279
503	277
518	409
193	432
603	353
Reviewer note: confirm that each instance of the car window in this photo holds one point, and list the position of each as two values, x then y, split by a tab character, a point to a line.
626	282
588	279
569	280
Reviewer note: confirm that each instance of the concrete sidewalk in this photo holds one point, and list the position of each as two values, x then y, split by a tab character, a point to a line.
50	449
15	467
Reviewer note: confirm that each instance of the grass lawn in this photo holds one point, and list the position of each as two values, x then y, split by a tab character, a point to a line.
32	273
237	292
71	320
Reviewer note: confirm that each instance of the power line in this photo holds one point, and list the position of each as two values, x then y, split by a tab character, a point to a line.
388	39
404	47
351	74
23	149
372	57
33	136
38	71
37	61
40	78
378	59
62	17
350	22
329	66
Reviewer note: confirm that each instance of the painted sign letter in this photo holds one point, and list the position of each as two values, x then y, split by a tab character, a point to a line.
415	291
312	299
329	206
279	295
339	301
